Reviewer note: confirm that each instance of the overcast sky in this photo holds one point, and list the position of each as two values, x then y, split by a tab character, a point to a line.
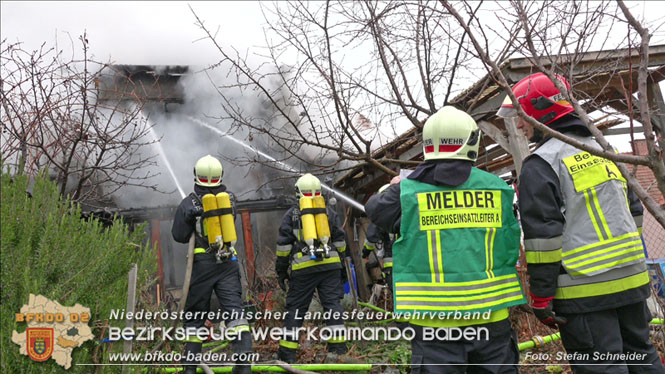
152	33
164	33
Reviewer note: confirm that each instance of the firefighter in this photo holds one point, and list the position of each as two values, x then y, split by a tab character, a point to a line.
582	229
215	267
454	259
311	268
381	243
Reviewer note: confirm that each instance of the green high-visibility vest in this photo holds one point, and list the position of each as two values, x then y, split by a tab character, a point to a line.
458	247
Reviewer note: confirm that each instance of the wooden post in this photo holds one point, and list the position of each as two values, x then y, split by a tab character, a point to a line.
155	236
518	144
131	304
249	245
354	245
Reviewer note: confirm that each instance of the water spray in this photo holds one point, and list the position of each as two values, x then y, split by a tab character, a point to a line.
162	154
335	193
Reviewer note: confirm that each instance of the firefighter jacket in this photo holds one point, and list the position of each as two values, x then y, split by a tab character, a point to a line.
187	217
378	238
581	229
458	243
290	247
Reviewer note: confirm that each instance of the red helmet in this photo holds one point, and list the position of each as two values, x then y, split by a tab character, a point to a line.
539	98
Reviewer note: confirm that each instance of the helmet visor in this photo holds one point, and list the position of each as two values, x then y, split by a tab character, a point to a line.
507	109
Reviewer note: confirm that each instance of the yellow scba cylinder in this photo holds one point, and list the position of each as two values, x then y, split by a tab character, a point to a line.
308	223
212	224
322	227
228	226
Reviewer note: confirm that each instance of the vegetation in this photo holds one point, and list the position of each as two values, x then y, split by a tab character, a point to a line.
48	250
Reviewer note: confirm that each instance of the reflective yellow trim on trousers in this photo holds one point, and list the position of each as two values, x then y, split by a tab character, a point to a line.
592	215
598	244
496	316
337	340
603	288
310	263
193	340
283	254
239	329
387	264
199	250
543	257
288	344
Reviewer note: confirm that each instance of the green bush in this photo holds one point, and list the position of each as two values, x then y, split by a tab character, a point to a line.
46	249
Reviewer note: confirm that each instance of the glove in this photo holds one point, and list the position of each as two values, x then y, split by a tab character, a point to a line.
366	252
283	277
343	277
192	212
542	309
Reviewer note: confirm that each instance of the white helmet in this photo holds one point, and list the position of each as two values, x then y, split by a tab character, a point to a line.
308	185
208	172
450	134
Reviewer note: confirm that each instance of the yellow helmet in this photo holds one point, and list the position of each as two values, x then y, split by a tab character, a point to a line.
308	185
450	134
208	172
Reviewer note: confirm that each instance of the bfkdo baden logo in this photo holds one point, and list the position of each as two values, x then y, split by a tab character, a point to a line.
40	343
53	330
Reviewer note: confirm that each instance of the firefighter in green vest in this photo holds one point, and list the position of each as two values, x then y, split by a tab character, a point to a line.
454	260
582	227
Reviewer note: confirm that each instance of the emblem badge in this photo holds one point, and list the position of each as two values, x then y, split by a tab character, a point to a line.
40	343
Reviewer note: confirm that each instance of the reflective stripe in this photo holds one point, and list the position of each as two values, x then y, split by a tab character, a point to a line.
238	325
387	262
302	261
452	286
543	257
592	215
431	321
638	220
445	292
369	246
617	252
193	340
601	287
288	344
434	249
603	221
340	246
199	250
599	245
338	334
543	244
284	250
489	248
462	303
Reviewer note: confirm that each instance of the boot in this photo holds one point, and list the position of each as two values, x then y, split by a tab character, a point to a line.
287	355
337	348
193	348
243	345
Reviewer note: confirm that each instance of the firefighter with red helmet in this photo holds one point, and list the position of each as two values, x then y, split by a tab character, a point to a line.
214	268
582	229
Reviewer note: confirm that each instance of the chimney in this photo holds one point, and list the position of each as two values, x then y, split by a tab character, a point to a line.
640	146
